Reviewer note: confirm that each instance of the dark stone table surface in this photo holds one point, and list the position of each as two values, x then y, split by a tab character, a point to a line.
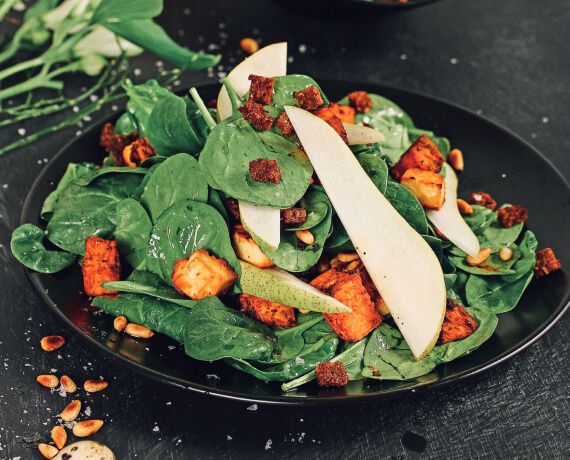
508	61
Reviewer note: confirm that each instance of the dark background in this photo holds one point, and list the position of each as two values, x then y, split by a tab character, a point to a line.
506	60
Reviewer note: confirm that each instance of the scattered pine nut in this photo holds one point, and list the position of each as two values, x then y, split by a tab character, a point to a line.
59	436
505	253
68	384
71	412
303	310
481	257
354	265
323	264
136	330
47	451
464	207
87	428
52	342
50	381
92	386
348	256
455	159
305	236
120	323
249	45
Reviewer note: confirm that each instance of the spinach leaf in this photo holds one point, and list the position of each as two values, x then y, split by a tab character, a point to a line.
376	168
214	331
109	10
492	266
496	236
86	179
182	229
160	292
408	206
290	340
125	125
338	236
527	261
316	209
142	100
27	246
215	201
132	231
176	179
158	315
286	85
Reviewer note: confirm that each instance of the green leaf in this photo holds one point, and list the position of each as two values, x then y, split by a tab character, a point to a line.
492	266
376	168
132	231
142	100
527	261
408	206
160	292
493	294
27	246
113	11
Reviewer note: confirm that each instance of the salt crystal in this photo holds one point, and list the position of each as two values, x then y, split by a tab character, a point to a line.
252	407
268	444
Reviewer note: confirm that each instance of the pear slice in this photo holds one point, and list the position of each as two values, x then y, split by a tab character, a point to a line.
401	264
270	61
279	286
262	223
357	134
448	219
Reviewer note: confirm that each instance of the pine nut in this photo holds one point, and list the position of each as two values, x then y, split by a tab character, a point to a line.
59	436
71	412
52	342
323	264
464	207
47	451
505	253
455	159
303	310
120	323
92	386
68	384
481	257
249	45
305	236
354	265
136	330
348	256
50	381
87	428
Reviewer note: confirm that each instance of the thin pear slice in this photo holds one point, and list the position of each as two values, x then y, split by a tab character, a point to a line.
402	265
448	219
270	61
262	223
357	134
280	286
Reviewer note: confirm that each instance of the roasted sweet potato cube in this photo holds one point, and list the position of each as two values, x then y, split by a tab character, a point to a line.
270	313
347	288
344	112
100	263
428	187
202	275
329	116
457	323
246	249
422	154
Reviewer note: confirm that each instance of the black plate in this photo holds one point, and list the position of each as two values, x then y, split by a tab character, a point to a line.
497	162
349	8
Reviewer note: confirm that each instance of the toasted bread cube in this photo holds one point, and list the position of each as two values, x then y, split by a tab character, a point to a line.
428	187
270	313
361	101
202	275
100	263
331	374
347	288
546	263
344	112
422	154
310	98
482	199
247	250
457	323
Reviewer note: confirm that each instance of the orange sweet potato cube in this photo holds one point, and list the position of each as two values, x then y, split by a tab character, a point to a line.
328	115
422	154
100	263
347	288
457	323
270	313
427	186
344	112
202	275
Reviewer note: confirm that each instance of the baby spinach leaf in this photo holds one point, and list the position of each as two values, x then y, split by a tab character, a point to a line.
408	206
27	246
132	231
125	125
316	211
376	168
142	100
215	201
137	192
492	266
290	339
86	179
527	261
160	292
338	236
493	294
156	314
496	236
126	9
183	228
176	179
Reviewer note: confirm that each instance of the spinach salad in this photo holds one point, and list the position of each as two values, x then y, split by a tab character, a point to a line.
172	205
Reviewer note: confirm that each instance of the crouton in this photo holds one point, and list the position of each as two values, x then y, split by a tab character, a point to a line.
107	135
457	323
347	288
512	215
360	101
116	143
428	187
344	112
422	154
261	89
202	275
370	287
331	374
329	116
309	99
482	199
135	153
262	170
269	313
546	263
293	216
285	125
246	249
100	263
256	115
